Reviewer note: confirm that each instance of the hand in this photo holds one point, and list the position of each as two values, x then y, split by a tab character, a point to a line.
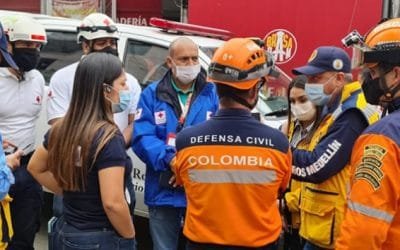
7	144
13	160
173	182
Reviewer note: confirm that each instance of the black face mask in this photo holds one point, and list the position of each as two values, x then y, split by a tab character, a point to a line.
26	58
372	90
109	50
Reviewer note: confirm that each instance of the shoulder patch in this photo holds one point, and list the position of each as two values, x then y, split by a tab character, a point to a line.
160	117
138	113
369	168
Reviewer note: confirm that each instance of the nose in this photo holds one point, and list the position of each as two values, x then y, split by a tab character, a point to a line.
111	43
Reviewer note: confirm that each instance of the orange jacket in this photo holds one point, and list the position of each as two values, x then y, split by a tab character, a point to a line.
372	219
231	179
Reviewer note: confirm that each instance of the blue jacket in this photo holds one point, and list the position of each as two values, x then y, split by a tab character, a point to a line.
6	176
157	116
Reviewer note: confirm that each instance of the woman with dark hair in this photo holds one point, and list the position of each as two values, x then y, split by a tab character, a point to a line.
302	113
302	121
83	158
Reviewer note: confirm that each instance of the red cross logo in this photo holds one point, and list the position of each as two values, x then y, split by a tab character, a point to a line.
106	22
160	114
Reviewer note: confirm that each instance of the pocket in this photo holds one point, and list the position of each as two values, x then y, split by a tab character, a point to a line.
317	221
126	244
75	243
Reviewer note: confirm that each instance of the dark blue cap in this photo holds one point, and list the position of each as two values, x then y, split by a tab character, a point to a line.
4	52
325	58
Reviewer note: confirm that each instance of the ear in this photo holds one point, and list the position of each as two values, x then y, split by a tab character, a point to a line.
396	70
86	47
253	92
107	88
9	48
340	79
169	62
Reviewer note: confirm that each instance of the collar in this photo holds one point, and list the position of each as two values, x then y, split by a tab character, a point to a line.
179	90
297	125
233	112
347	90
6	73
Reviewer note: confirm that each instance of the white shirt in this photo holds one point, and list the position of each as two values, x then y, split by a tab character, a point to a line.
60	93
299	133
20	106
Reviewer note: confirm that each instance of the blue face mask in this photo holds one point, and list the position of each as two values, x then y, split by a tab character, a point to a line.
124	100
315	93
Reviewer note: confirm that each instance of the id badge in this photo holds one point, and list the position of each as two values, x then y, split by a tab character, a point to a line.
171	139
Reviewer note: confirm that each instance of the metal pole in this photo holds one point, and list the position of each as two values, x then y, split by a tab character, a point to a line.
184	5
385	9
114	10
395	9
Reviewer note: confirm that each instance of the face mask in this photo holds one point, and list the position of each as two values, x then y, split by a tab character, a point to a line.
109	50
124	100
303	111
26	58
186	74
315	93
372	90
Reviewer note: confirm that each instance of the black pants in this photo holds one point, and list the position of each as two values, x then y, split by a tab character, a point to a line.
25	208
191	245
292	240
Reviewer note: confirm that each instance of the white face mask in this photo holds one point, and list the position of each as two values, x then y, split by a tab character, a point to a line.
303	111
186	74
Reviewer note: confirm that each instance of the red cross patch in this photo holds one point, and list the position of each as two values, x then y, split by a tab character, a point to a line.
38	100
160	117
106	22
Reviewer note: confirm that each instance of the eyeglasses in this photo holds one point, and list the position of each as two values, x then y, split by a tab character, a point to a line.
108	29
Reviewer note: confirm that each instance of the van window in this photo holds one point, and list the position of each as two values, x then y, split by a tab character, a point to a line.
61	50
209	51
145	61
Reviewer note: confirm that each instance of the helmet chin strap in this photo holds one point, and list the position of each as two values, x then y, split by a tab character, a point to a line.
241	100
388	95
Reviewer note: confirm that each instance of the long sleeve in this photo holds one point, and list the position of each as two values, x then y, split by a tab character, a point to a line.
146	142
374	195
333	152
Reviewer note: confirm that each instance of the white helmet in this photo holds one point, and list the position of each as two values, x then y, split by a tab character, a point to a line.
97	25
18	27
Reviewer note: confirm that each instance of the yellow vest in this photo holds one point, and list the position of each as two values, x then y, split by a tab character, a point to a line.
5	221
322	205
292	197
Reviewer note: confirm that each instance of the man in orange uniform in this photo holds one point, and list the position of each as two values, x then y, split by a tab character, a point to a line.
372	219
232	166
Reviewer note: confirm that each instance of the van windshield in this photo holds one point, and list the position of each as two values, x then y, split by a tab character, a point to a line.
209	51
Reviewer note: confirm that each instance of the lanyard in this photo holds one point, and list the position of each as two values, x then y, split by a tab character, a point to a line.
185	109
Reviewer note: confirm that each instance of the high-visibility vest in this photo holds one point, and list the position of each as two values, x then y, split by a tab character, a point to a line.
292	197
322	205
6	231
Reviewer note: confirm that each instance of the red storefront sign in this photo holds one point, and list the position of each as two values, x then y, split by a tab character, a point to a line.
137	12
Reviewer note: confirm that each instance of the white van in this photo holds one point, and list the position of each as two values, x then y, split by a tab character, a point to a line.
143	51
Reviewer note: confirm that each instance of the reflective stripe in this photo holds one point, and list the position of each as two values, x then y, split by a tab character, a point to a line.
337	112
370	211
232	176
